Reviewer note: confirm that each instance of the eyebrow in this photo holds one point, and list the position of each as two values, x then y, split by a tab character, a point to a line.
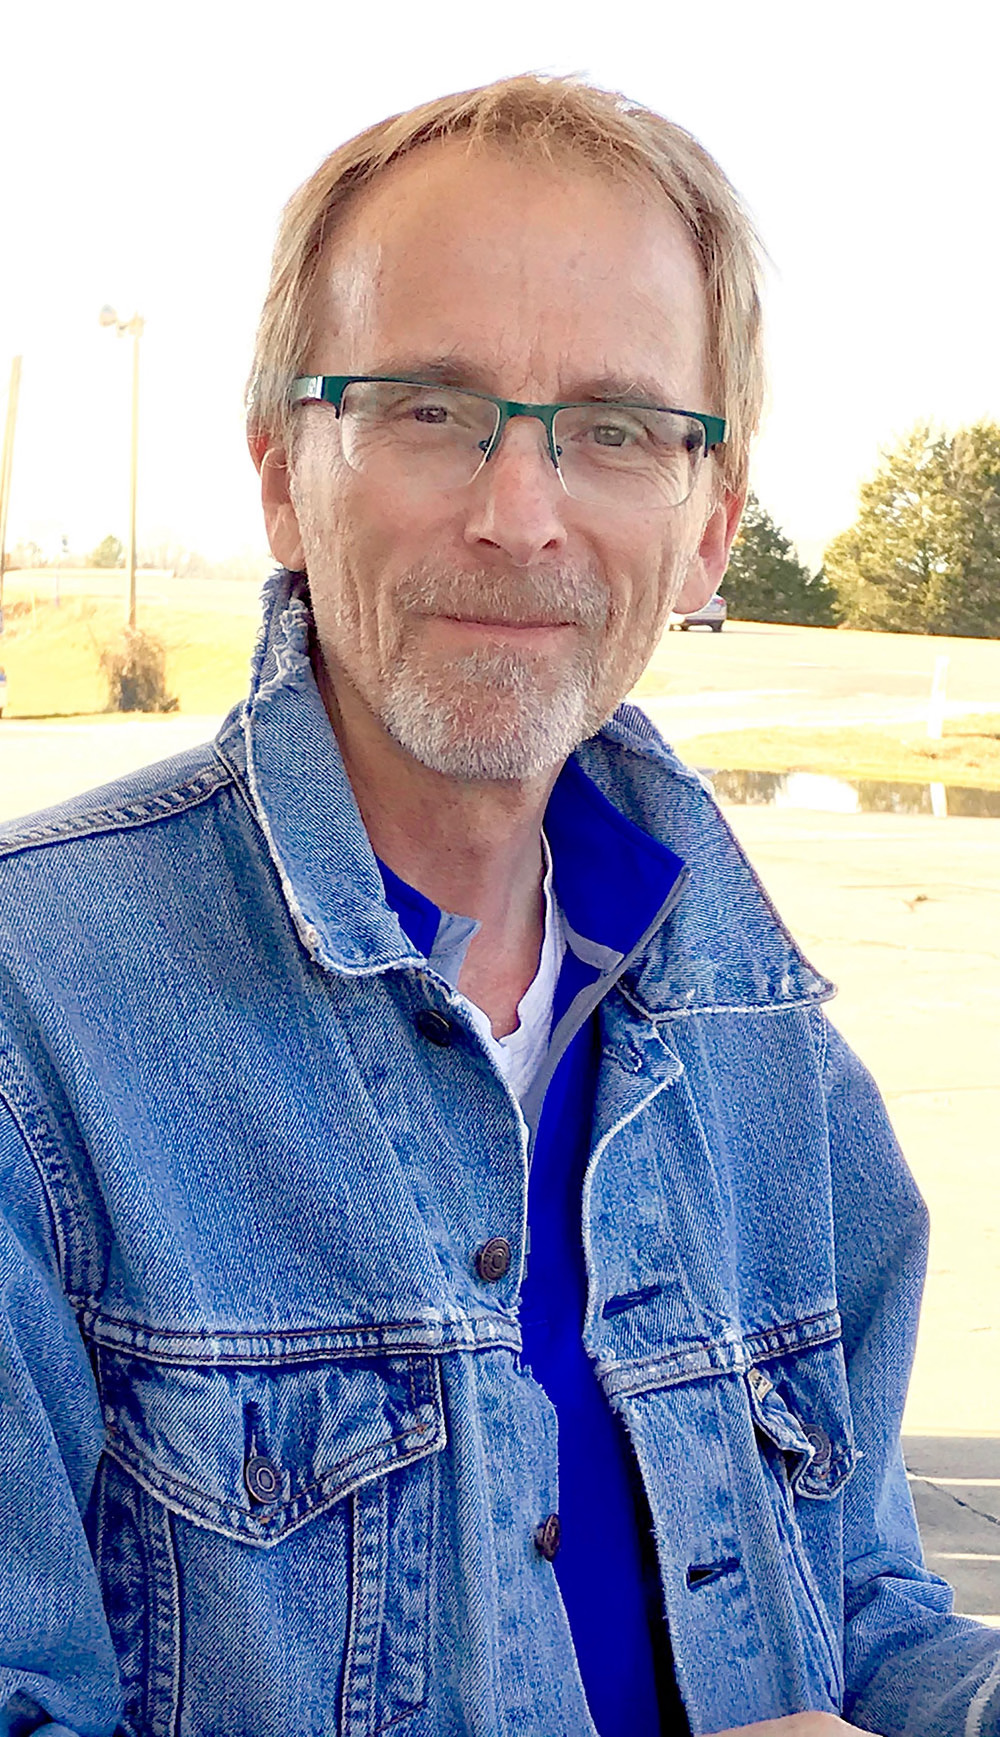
456	370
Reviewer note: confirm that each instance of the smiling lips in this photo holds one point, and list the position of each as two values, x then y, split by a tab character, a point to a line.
507	623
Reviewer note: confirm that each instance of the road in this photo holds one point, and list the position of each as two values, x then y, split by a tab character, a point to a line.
755	674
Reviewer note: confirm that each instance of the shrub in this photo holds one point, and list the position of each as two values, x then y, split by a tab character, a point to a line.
136	671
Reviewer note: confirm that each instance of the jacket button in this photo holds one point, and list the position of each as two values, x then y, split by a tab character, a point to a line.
262	1479
548	1537
493	1259
822	1448
434	1027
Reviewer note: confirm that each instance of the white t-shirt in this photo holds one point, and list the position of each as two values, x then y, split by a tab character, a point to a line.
520	1055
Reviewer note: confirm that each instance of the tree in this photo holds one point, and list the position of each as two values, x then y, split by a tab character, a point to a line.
923	555
766	582
109	553
25	554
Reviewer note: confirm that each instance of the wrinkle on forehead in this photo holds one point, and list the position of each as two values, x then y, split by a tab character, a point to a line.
544	260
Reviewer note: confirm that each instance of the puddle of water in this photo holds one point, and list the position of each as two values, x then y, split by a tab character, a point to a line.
851	796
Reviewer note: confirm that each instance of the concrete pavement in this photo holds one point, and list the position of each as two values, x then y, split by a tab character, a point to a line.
44	762
904	915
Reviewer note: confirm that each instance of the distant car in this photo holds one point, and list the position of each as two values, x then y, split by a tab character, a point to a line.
712	614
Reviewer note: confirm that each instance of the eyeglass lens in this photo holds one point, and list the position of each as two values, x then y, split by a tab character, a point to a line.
439	436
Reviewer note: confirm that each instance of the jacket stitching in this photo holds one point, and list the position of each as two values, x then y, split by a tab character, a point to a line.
143	811
55	1227
126	1452
97	1318
807	1002
981	1700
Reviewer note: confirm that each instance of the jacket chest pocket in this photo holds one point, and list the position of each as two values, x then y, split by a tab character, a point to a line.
278	1519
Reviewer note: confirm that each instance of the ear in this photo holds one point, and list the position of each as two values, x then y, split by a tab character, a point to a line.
283	532
711	558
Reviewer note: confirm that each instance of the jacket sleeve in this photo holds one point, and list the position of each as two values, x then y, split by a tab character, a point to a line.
57	1665
911	1666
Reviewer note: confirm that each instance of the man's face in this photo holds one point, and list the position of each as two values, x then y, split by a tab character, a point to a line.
491	627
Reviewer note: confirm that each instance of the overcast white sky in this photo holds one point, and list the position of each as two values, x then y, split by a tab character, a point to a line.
147	150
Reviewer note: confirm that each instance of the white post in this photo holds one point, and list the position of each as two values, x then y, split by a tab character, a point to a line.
935	710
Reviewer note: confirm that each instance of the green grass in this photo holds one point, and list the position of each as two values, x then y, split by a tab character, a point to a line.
968	753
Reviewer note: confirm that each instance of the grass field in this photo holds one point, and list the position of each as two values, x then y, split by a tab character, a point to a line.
52	656
968	753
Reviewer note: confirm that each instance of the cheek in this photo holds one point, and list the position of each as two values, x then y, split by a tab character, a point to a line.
642	597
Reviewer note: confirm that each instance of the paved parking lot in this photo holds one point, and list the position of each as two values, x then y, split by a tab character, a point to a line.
903	913
756	673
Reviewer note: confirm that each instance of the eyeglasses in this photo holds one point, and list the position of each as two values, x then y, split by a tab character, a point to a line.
628	455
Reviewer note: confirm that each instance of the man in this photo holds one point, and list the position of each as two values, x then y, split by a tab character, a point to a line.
455	1280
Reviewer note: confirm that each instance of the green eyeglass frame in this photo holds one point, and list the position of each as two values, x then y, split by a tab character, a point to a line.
330	389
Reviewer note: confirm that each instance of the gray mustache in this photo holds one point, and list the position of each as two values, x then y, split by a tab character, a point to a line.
558	594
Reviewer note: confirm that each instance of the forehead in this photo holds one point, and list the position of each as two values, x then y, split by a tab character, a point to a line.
539	273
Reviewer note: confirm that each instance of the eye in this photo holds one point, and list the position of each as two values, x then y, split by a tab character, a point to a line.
609	432
432	413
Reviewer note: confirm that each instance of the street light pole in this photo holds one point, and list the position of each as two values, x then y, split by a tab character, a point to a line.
135	327
6	466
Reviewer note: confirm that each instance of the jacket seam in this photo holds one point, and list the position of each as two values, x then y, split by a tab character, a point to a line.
177	799
981	1700
310	1344
749	1348
56	1233
821	1025
660	1016
232	770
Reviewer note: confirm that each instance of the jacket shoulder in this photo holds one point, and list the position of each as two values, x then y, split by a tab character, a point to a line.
141	798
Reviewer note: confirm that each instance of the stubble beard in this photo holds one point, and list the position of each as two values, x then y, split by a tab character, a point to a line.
493	714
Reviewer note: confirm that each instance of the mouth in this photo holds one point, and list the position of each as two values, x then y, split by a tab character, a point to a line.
509	624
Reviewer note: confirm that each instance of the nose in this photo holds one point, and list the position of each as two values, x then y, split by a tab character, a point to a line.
516	502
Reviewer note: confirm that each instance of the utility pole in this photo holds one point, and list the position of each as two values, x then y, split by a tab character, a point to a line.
6	466
135	327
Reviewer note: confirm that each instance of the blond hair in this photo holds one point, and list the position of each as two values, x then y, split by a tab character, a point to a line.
548	120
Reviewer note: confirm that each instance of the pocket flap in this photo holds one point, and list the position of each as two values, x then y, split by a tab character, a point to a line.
800	1419
254	1451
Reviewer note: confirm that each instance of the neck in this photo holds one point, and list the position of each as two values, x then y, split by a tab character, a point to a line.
473	847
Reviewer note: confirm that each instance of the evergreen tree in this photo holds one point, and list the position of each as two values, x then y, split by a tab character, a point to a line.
109	553
766	582
923	555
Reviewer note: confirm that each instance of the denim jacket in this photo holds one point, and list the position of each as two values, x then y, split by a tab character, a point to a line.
270	1463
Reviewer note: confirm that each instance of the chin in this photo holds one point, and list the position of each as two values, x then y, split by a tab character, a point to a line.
477	737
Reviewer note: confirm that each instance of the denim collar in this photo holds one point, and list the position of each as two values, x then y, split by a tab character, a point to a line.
723	946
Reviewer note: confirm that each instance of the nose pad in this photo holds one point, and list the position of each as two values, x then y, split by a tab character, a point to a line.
546	445
512	504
